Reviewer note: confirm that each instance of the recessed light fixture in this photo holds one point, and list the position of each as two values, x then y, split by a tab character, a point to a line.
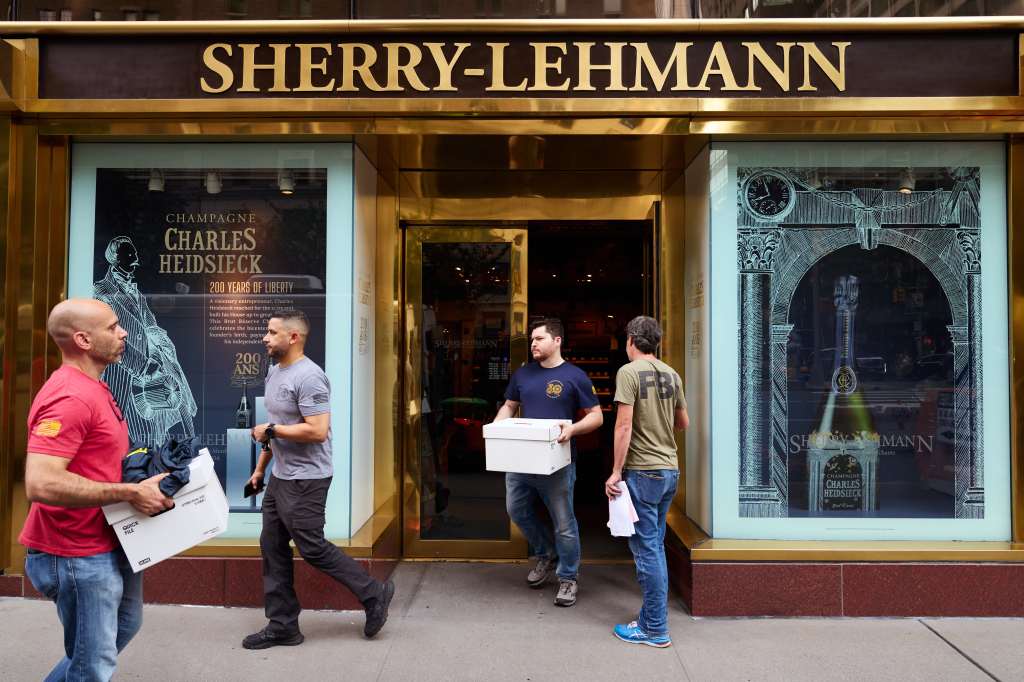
213	183
156	180
907	181
286	182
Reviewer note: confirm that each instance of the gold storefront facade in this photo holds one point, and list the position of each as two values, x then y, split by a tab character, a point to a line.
514	156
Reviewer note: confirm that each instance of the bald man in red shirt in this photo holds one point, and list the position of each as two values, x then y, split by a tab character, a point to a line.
77	438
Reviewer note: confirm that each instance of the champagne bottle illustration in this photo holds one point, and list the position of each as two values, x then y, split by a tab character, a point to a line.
242	414
843	450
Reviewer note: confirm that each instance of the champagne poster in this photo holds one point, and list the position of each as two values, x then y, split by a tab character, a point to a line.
860	337
194	262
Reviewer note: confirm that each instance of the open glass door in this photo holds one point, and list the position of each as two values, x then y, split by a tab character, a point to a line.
465	294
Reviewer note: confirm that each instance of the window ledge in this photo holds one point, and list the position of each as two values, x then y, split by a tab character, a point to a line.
705	548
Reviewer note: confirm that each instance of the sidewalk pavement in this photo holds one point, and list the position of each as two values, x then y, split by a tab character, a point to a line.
479	621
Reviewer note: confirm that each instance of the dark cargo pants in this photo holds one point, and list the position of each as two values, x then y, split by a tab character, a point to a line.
294	510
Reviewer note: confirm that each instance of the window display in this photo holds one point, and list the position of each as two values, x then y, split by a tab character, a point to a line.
864	338
194	256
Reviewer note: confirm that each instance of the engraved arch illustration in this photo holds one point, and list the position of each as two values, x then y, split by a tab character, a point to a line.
939	228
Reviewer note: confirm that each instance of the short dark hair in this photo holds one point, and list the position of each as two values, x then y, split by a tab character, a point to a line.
552	324
645	332
295	317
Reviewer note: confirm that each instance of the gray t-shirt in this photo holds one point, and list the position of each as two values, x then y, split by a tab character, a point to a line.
293	392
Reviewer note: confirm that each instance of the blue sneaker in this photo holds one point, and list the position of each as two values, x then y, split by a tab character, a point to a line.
634	635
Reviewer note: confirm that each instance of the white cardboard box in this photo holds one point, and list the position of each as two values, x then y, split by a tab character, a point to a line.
526	446
200	513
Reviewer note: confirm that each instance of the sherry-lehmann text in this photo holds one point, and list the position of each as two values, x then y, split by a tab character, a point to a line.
672	68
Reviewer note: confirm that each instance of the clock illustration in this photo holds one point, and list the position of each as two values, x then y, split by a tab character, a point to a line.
769	195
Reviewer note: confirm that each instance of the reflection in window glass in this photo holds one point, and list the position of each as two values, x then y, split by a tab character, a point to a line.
196	300
194	247
861	310
870	369
466	340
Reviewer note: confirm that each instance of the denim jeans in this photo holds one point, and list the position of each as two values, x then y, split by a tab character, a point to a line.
555	490
652	493
99	603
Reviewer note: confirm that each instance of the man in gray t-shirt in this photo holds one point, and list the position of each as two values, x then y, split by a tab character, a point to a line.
293	393
298	439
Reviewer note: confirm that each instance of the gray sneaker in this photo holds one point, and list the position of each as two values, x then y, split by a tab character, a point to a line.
566	593
540	573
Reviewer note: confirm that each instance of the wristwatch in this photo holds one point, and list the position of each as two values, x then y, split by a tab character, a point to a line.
269	432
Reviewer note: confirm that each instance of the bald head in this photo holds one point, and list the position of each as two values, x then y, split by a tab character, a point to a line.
76	315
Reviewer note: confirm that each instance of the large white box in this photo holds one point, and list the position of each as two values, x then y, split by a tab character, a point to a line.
526	446
200	513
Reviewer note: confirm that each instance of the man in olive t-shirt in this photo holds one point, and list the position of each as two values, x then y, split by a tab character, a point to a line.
651	406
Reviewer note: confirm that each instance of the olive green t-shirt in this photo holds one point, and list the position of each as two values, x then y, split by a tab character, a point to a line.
655	391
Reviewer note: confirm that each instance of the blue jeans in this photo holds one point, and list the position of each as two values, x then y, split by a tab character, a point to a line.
555	490
652	493
99	603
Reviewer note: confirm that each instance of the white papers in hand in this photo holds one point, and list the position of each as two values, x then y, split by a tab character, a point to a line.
622	514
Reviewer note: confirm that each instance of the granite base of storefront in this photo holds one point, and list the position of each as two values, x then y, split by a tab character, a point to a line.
227	582
736	589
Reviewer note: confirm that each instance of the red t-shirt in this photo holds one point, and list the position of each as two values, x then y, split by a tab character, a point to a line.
75	416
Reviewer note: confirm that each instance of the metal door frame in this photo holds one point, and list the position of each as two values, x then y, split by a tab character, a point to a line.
414	236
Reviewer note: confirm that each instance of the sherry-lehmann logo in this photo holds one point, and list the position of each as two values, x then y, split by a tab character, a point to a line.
614	69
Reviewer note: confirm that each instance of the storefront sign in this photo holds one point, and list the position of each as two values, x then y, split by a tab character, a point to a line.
531	66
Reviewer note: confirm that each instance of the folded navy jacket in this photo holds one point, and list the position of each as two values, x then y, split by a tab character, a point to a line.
172	457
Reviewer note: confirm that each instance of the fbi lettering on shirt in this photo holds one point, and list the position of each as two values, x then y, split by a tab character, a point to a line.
659	382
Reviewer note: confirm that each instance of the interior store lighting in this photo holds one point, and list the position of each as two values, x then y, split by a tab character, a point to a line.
156	180
286	182
907	181
213	183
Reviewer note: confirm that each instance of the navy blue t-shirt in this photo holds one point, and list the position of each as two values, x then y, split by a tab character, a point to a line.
551	393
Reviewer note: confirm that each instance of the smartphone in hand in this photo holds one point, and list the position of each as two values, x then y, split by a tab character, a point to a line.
249	490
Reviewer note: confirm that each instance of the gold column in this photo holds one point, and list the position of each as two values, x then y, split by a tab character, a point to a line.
34	275
388	405
672	294
8	332
1016	249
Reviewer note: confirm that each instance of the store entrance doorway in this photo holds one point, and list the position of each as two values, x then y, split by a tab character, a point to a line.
471	293
594	277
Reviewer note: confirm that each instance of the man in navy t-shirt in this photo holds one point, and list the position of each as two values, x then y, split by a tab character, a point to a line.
550	388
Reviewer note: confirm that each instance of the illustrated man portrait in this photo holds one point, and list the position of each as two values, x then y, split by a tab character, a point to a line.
148	383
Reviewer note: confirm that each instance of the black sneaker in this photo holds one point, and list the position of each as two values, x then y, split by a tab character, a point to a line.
265	640
377	613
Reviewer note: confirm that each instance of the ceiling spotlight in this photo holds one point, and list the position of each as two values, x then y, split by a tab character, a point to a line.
156	180
907	181
213	183
286	182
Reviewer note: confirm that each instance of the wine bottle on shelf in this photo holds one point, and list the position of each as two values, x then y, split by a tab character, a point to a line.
243	413
842	451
